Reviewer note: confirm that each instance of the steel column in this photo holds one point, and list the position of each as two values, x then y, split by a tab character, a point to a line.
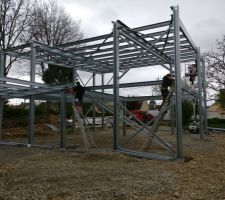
172	113
124	123
116	67
74	76
74	117
2	69
179	128
205	96
199	71
31	98
103	110
62	121
94	113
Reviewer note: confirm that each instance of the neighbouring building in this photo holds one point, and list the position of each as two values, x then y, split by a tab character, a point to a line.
215	111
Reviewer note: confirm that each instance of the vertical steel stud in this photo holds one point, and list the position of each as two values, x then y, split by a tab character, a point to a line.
179	128
115	86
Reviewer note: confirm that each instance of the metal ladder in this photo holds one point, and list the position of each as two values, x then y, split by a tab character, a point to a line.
86	135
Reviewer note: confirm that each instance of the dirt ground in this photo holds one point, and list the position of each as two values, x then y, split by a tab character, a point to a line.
34	173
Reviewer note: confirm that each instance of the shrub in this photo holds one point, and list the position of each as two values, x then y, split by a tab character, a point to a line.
216	123
187	112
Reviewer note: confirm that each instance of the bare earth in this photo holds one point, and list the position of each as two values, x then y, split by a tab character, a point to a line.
33	173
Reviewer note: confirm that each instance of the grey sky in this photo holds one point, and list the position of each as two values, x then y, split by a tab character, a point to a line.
204	20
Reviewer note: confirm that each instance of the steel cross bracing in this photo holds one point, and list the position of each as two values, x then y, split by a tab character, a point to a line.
138	128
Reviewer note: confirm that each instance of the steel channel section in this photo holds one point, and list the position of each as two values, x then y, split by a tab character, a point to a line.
23	82
74	76
172	113
200	102
127	85
216	129
179	128
91	46
135	40
145	54
31	98
63	121
163	24
205	96
93	39
2	67
154	156
107	54
93	110
103	110
124	124
85	68
74	117
116	66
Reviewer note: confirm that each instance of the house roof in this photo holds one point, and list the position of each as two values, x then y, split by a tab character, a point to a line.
215	108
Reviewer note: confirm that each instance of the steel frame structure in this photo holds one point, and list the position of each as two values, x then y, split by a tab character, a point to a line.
166	44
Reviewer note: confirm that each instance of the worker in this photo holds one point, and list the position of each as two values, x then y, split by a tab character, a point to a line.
78	91
193	73
167	82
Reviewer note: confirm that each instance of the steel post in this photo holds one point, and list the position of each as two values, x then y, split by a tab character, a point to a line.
94	113
116	66
205	97
31	98
62	121
179	128
74	76
2	69
103	110
74	117
172	113
200	103
124	123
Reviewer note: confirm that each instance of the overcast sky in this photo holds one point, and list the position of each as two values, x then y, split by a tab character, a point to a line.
203	19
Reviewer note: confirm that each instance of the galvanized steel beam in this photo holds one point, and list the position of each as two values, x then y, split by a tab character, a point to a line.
179	128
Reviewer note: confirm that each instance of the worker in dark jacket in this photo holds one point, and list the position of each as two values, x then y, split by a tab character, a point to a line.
79	91
167	82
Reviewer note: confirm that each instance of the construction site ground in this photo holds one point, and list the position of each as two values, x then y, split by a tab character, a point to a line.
55	174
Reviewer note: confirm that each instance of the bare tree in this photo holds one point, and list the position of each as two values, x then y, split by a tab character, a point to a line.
15	16
51	24
215	69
